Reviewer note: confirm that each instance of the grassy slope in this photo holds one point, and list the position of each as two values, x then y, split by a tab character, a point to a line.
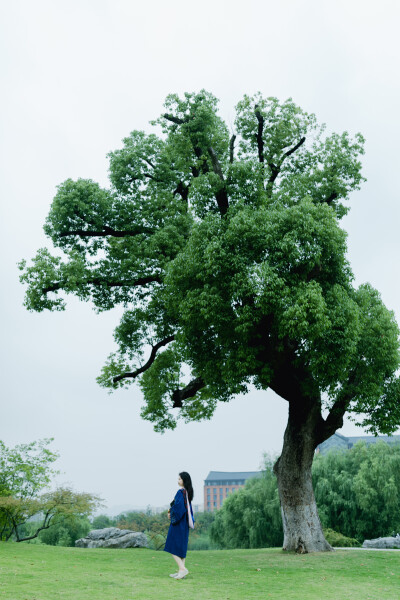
30	572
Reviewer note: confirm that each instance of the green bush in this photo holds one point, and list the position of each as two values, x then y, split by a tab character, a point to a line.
338	540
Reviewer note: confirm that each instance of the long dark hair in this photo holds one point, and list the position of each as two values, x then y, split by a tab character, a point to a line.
187	482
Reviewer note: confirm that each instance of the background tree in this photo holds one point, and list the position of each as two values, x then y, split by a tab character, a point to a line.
358	491
251	517
24	472
64	531
227	254
26	468
101	522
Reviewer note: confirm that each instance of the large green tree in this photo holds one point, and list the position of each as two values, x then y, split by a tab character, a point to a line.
227	254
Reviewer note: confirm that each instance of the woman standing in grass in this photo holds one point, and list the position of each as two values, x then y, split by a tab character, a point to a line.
181	516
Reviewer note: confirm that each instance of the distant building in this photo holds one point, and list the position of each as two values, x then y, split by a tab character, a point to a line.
340	442
219	485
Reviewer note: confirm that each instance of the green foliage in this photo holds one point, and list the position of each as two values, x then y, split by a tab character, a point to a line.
199	538
158	384
251	517
26	469
154	526
65	530
201	542
234	256
338	540
358	491
24	472
101	522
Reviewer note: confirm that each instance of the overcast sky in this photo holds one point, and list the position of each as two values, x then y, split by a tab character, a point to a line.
77	77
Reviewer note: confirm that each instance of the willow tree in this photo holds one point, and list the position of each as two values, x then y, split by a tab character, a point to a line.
227	255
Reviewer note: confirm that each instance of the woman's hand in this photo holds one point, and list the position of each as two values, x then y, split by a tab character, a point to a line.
169	514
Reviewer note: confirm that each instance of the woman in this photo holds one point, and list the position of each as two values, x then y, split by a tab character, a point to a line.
178	533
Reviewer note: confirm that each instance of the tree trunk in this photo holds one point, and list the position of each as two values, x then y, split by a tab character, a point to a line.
301	525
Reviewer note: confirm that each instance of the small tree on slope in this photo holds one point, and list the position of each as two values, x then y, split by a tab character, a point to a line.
227	254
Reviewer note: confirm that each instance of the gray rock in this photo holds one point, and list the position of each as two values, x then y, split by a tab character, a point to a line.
384	542
112	537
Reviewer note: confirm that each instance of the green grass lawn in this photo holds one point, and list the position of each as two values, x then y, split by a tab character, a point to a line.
33	572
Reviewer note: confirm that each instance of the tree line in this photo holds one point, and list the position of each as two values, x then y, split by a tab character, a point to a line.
357	493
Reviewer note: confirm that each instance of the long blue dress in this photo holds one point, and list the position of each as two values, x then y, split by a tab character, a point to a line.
178	532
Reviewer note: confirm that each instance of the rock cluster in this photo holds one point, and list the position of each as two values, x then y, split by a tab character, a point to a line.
112	537
384	542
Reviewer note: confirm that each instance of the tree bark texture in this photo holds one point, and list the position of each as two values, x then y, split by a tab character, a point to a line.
301	524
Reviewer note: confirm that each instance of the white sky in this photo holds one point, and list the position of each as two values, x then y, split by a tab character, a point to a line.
79	76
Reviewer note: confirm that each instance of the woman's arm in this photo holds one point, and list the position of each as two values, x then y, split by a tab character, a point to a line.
178	509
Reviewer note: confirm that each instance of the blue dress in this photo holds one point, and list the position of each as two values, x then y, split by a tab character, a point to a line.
178	532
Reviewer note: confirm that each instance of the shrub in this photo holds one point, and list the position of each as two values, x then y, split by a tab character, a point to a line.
338	540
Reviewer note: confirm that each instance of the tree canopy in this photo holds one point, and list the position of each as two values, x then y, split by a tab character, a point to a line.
227	254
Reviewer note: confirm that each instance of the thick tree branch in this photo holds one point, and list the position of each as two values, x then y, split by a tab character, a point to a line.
148	364
176	120
187	392
274	172
148	162
276	169
108	231
221	196
331	197
296	147
148	175
231	148
183	190
334	420
46	525
215	163
259	138
100	281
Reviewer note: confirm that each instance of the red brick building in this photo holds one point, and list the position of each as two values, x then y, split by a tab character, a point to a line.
220	484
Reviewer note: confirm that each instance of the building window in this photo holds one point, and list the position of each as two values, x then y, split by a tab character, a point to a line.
208	503
227	490
215	504
233	489
220	490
